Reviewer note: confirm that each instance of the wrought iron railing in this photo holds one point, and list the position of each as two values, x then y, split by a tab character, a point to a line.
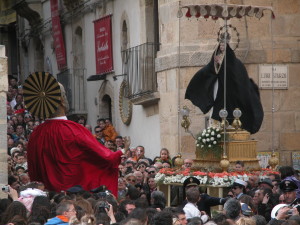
139	68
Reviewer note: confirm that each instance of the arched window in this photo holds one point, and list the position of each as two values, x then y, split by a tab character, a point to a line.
124	36
106	107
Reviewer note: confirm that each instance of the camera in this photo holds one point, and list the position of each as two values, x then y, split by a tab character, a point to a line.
103	204
129	170
5	188
102	195
290	212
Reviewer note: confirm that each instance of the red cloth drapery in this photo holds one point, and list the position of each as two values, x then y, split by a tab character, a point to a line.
62	154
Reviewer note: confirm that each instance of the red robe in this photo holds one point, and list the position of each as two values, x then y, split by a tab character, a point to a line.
62	154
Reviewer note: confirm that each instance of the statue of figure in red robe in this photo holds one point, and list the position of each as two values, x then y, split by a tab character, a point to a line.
62	154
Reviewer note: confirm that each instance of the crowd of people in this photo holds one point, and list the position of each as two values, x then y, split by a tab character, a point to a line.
273	200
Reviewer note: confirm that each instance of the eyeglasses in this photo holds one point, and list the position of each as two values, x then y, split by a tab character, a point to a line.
130	180
97	131
151	171
230	196
142	166
73	210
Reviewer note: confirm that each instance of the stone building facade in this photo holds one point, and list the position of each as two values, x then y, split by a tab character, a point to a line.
185	46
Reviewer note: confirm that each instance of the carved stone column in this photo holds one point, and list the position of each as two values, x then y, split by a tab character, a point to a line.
3	116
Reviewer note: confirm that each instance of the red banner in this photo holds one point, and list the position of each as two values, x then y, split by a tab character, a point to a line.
103	45
59	45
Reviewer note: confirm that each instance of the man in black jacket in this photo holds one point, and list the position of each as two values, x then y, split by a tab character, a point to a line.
205	201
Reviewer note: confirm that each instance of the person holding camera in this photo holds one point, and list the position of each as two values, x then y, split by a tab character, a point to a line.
104	212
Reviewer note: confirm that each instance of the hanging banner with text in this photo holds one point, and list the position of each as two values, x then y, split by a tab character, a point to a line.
59	45
280	77
103	45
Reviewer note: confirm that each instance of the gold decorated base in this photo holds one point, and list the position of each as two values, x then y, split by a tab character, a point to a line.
239	147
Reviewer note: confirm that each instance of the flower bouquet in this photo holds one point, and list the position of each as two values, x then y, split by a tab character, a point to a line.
208	142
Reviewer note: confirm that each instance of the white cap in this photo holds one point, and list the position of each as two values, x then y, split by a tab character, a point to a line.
276	209
14	149
240	182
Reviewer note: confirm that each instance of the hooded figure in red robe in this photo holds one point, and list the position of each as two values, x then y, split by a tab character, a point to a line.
62	154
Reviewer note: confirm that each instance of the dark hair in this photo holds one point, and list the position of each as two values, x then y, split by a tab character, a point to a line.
4	203
240	163
122	206
163	218
11	180
102	218
97	127
101	120
259	219
151	213
132	192
15	208
159	200
21	154
20	167
286	171
18	220
39	214
141	203
119	216
138	213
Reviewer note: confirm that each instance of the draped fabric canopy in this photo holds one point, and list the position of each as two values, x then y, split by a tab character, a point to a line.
224	11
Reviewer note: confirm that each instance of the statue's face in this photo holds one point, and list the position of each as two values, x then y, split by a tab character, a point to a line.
222	46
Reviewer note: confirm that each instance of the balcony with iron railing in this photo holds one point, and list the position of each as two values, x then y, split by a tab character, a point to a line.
139	68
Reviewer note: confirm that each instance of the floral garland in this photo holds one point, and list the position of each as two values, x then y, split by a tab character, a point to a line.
209	141
171	175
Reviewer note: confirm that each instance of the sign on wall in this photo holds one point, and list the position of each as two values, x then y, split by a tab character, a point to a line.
103	45
296	160
280	76
58	39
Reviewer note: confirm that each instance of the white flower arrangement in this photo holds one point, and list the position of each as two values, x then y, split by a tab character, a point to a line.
159	178
214	179
209	140
173	179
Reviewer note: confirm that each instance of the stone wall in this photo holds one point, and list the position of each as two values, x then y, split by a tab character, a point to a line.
3	116
188	44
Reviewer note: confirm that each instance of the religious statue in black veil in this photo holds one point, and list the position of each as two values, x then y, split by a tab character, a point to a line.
206	89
